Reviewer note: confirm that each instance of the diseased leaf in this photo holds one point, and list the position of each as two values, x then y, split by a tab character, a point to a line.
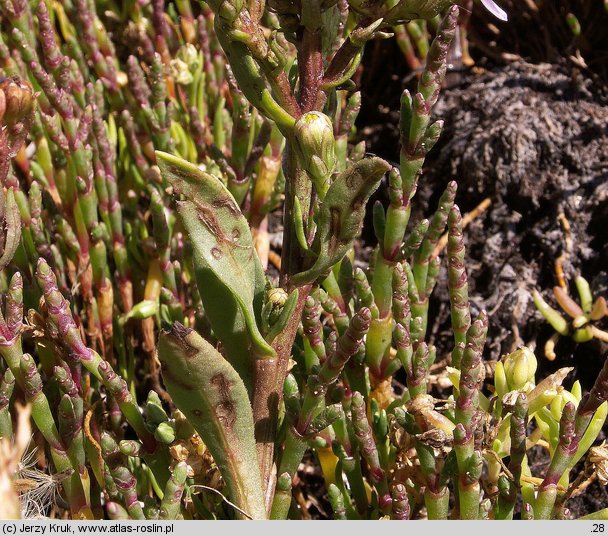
227	267
212	396
341	215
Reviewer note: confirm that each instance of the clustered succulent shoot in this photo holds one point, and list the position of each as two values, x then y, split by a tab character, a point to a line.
174	367
585	318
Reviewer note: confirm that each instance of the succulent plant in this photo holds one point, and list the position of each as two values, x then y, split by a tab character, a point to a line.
169	372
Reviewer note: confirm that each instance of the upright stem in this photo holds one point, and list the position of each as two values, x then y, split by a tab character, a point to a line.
310	56
270	375
311	70
297	184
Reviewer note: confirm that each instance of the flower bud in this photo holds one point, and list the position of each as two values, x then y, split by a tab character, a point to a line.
189	55
271	311
186	62
129	447
18	100
229	9
180	72
520	367
316	145
583	334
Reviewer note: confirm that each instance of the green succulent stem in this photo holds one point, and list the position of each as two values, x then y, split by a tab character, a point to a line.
574	424
291	456
7	386
43	417
437	504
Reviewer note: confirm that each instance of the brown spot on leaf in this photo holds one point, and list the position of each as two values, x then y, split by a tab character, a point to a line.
179	333
226	202
351	180
216	252
222	383
334	228
226	414
357	203
181	172
224	410
208	218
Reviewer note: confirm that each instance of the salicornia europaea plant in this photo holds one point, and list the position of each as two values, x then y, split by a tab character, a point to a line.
585	317
170	372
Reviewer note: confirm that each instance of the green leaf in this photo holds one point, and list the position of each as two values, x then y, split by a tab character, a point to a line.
228	322
229	275
212	396
341	213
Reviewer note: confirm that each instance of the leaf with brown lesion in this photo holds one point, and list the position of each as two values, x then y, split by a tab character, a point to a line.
340	215
213	398
229	275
